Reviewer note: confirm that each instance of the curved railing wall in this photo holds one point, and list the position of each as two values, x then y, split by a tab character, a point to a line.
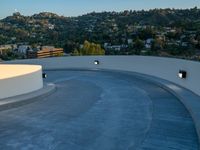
165	68
19	79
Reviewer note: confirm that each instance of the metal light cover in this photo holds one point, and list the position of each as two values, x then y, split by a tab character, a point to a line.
182	74
44	75
96	62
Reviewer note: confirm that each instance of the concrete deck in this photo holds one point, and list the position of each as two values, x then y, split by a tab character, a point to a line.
103	111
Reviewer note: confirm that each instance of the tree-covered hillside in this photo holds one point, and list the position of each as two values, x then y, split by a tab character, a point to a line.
111	28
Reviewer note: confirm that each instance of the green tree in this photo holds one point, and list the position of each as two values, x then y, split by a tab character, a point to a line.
90	49
75	53
139	45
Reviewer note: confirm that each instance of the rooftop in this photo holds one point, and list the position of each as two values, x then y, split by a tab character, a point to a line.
106	106
99	110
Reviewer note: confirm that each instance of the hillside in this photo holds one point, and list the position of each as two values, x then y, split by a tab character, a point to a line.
106	27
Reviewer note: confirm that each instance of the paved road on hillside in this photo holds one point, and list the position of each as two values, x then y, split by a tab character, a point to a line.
94	110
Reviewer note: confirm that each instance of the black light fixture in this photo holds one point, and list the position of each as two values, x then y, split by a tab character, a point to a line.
96	62
44	75
182	74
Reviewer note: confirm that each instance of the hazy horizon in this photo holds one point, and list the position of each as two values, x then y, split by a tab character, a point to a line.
80	7
94	11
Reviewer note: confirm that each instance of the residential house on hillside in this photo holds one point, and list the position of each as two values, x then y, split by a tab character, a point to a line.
24	48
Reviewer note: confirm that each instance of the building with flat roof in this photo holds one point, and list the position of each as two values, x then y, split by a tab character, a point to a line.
46	51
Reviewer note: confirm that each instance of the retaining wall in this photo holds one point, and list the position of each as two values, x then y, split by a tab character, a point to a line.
165	68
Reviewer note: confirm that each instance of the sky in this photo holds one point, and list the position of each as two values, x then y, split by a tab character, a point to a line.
79	7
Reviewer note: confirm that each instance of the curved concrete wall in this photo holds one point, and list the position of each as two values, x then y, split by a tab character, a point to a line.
19	79
165	68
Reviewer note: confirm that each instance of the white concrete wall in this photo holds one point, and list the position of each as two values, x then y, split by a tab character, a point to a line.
165	68
19	79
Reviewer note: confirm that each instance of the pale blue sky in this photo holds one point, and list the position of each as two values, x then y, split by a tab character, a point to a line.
78	7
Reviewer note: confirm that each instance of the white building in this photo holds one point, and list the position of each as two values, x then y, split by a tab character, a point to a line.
51	26
130	41
24	48
117	47
148	46
148	43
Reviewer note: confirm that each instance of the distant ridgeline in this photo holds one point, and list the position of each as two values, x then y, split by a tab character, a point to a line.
157	32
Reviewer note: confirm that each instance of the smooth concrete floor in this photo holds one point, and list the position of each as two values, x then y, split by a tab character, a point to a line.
94	110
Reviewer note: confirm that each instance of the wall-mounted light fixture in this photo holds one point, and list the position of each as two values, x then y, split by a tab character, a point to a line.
96	62
44	75
182	74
